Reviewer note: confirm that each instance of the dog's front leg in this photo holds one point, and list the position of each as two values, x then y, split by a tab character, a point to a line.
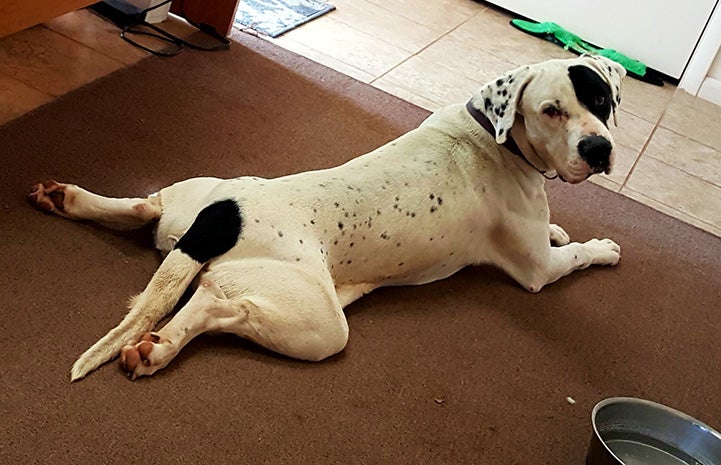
575	256
533	262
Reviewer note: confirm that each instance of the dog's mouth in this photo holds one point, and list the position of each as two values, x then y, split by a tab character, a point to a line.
573	177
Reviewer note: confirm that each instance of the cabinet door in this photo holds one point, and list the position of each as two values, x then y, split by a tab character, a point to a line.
660	34
219	14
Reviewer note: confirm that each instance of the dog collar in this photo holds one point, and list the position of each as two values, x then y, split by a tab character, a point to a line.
510	144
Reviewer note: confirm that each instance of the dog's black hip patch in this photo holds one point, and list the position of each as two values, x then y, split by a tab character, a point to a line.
215	231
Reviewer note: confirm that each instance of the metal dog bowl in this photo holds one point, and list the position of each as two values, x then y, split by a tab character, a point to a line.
628	431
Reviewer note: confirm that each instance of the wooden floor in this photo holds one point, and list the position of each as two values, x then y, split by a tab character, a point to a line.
429	52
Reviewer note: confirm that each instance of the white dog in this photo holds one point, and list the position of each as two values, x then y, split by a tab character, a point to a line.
277	260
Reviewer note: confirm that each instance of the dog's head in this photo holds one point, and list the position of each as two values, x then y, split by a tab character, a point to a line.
562	109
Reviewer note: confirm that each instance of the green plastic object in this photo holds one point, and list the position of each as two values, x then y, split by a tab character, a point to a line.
569	41
631	65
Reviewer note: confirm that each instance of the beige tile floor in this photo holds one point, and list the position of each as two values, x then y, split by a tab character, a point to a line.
429	52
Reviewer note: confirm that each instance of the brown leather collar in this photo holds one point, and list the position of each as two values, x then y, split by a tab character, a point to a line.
510	144
483	120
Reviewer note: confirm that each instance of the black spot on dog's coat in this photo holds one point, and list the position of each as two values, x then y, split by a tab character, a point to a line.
215	230
488	104
592	91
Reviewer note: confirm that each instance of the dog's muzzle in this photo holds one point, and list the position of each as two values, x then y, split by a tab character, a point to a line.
596	151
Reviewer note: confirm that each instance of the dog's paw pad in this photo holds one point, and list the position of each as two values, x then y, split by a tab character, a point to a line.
144	356
49	196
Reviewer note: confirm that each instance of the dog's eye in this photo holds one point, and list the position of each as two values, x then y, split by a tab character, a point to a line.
599	101
552	111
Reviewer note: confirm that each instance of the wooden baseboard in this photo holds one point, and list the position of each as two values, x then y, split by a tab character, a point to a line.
711	90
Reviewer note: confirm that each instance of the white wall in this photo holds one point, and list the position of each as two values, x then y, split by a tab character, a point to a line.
661	34
701	76
711	86
715	71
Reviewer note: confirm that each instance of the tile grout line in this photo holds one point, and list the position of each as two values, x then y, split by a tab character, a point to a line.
646	196
379	5
415	54
683	171
343	61
30	85
692	139
87	46
288	40
642	152
14	78
670	208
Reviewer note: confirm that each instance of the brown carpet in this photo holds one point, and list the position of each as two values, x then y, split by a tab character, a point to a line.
468	370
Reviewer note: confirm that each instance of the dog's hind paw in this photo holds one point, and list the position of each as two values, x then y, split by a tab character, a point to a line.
146	356
50	197
558	236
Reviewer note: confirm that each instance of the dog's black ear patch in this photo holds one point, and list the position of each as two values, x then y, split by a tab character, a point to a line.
215	231
592	91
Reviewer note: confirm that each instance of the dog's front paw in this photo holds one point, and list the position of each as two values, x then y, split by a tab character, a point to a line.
559	237
146	356
604	251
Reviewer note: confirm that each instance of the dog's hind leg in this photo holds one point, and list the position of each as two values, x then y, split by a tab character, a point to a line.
159	297
71	201
558	236
275	304
350	293
215	231
207	310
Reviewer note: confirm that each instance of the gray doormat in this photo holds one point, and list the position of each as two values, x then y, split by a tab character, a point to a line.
274	17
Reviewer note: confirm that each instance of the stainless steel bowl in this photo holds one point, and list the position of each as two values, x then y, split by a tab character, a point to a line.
628	431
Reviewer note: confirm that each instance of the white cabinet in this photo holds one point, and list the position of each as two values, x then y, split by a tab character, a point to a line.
660	34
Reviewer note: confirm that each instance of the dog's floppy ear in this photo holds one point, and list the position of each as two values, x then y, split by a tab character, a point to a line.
499	99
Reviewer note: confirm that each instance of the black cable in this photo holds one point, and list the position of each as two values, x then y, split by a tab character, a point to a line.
165	36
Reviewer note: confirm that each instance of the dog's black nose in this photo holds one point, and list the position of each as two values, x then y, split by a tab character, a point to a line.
596	151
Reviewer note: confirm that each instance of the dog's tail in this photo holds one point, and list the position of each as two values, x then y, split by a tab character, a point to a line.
160	296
